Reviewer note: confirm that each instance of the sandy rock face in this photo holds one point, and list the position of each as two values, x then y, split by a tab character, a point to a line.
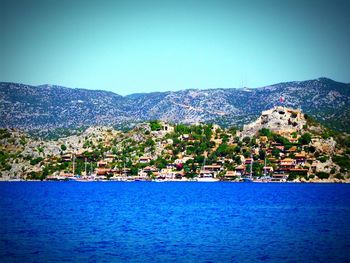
325	166
326	146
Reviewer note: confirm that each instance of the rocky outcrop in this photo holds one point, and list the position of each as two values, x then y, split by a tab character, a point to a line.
279	119
324	146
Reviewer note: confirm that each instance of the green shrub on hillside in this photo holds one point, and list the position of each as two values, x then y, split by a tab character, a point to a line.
305	139
265	132
342	161
322	175
36	160
155	125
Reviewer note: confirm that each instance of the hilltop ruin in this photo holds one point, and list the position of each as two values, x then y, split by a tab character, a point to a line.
279	119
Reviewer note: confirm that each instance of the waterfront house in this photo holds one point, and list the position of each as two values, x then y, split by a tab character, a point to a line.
102	171
147	171
166	173
279	176
126	171
207	174
212	168
179	175
230	175
116	172
142	174
240	170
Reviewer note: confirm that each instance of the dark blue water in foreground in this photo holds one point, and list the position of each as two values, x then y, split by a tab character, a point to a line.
167	222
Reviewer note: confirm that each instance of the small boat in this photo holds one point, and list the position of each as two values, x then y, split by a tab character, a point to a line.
159	180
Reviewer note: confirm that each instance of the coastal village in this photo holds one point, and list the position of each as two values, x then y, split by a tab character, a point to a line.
282	145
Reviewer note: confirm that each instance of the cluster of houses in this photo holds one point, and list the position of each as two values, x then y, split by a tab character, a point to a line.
277	170
291	160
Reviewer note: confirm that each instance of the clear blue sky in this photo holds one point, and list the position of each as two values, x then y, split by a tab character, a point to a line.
143	46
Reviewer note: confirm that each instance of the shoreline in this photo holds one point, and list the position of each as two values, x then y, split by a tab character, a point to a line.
177	181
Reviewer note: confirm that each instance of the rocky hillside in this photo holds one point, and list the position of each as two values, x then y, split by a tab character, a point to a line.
22	154
46	106
298	149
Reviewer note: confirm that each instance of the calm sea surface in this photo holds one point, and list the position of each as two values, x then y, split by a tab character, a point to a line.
174	222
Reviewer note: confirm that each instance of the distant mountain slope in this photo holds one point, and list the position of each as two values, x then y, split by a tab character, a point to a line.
48	106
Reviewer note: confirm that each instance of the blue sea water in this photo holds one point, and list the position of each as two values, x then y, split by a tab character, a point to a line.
174	222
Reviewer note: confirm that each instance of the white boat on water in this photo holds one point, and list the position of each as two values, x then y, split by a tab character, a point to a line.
207	179
159	181
206	176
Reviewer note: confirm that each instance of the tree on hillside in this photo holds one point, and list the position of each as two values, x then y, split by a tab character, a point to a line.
63	147
222	150
149	142
155	125
182	129
160	163
265	132
232	130
257	168
262	154
246	140
305	138
275	152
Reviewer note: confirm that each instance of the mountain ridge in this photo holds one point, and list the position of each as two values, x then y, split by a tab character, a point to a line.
51	106
324	79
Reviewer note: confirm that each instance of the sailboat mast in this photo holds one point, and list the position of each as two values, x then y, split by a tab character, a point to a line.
205	156
204	153
73	164
202	169
251	166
